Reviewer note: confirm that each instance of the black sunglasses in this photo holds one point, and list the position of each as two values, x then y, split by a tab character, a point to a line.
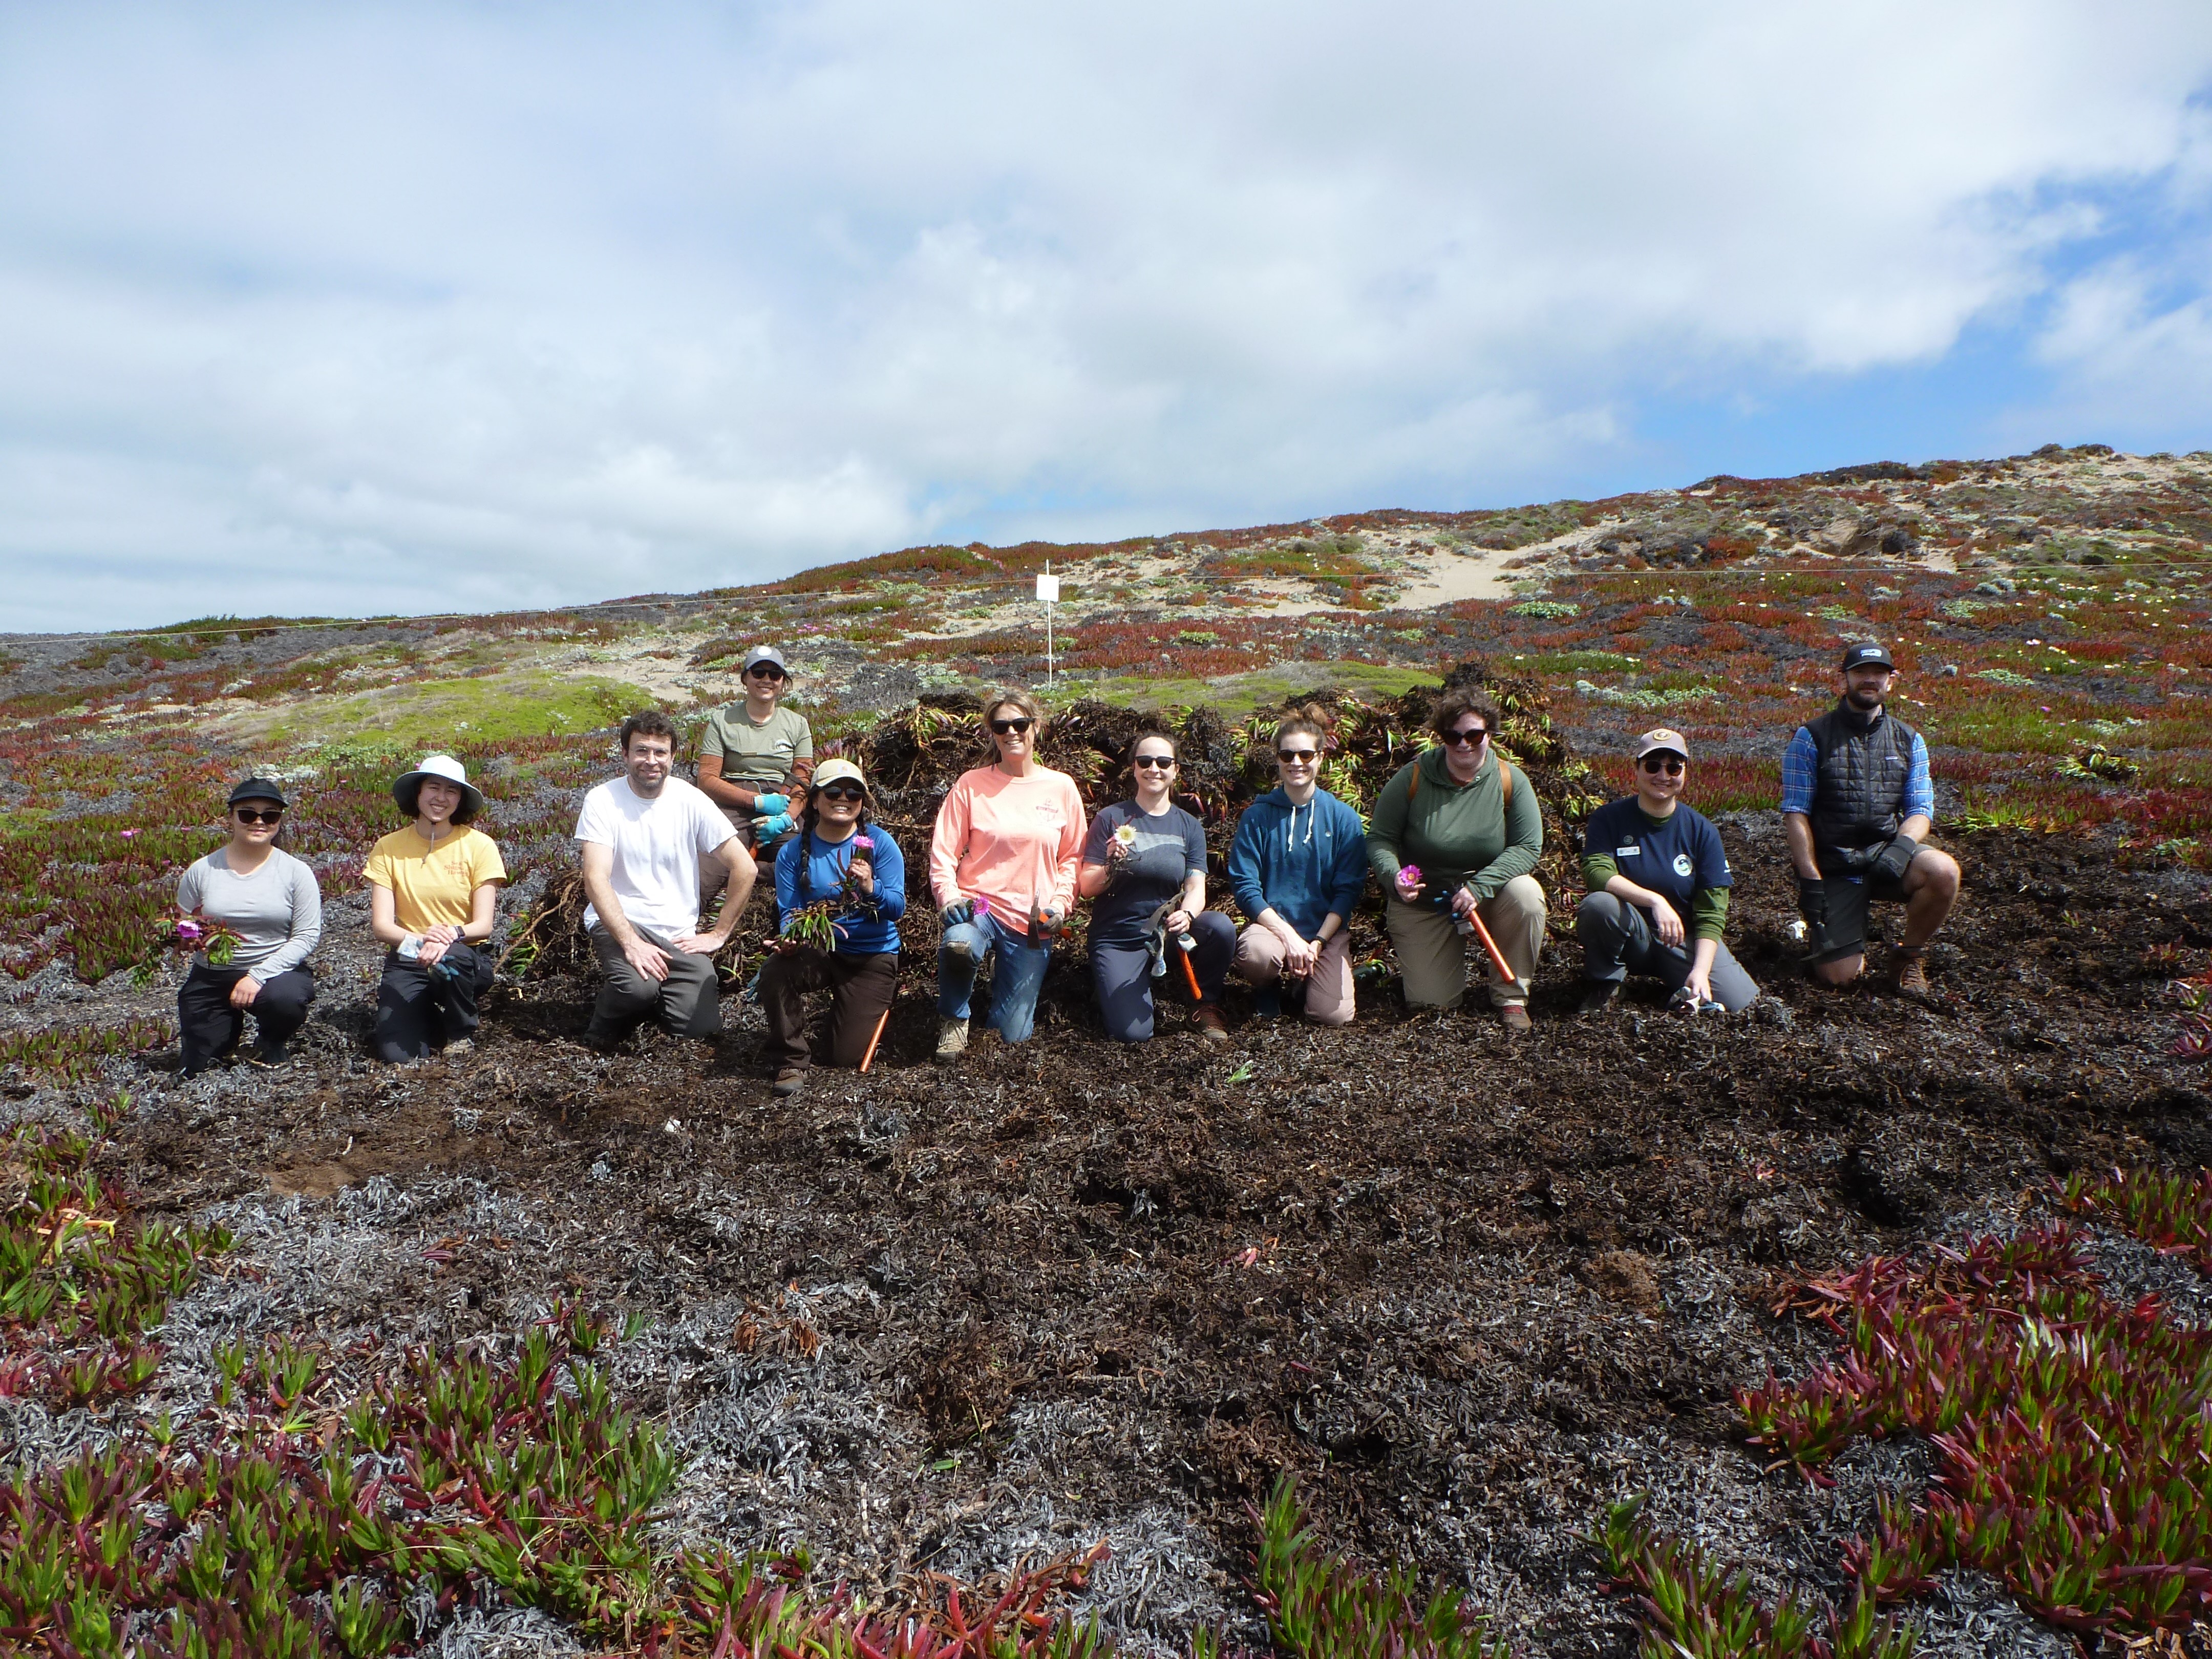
1476	737
1297	757
765	671
1163	761
1020	723
1672	765
841	792
245	815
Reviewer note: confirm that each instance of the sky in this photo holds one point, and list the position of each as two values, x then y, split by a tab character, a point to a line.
396	309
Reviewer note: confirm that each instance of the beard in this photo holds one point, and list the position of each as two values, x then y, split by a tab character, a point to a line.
1866	700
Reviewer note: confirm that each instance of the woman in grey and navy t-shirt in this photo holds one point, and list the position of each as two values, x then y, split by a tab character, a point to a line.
1658	891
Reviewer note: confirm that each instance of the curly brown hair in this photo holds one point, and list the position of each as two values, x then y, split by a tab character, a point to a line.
1455	705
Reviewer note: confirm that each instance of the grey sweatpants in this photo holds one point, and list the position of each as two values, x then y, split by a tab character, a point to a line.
689	1002
1617	941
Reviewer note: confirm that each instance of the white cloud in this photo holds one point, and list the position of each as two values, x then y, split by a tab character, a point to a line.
407	308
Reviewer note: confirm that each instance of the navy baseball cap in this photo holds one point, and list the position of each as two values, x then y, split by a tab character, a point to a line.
1868	655
259	789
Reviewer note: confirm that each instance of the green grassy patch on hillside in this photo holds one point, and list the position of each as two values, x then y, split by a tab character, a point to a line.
489	708
1240	694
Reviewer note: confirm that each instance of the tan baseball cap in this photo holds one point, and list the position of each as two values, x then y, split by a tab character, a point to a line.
831	770
1661	737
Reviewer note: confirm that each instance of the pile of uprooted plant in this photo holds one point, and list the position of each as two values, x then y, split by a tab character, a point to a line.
914	754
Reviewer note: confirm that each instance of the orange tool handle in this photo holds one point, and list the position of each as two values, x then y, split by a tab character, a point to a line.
1496	956
882	1020
1190	976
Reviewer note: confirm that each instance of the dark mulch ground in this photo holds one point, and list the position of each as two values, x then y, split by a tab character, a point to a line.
1472	1286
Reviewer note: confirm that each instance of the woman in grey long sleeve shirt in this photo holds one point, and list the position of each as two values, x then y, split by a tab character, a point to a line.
270	901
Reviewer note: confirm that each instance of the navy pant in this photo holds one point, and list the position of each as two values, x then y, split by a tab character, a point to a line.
1123	976
418	1012
209	1025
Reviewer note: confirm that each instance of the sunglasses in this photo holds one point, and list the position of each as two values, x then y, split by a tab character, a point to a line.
765	671
1297	757
841	792
1473	739
1163	762
1672	765
274	815
1021	724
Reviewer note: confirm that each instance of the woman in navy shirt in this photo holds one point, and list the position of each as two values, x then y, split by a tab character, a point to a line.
1658	891
837	858
1144	870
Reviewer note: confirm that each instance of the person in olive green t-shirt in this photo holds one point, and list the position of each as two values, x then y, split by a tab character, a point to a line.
754	755
1457	830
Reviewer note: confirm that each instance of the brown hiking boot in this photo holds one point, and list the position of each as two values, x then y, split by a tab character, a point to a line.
788	1081
1906	977
1207	1020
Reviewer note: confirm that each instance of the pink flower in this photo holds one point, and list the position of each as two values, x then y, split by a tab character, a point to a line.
189	931
982	906
127	833
1410	874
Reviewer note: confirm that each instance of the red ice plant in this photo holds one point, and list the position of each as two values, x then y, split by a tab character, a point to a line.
2069	1431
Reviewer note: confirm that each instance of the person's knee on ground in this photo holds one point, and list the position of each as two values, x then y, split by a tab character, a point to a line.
1603	924
1516	916
1839	970
1122	981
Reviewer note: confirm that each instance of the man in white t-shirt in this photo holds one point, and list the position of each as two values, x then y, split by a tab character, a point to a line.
643	835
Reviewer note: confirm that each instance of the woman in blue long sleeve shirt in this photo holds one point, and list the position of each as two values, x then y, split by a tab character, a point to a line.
840	858
1296	865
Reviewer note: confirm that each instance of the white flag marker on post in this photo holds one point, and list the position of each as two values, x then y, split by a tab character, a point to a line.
1048	596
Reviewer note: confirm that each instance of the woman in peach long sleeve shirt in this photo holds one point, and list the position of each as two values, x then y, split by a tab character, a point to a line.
1002	867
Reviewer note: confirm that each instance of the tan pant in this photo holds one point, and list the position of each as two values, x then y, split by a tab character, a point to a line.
1432	957
1259	961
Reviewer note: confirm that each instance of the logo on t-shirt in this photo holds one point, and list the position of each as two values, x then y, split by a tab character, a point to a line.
1682	865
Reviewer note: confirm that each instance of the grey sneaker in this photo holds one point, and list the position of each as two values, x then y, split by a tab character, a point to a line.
461	1046
951	1038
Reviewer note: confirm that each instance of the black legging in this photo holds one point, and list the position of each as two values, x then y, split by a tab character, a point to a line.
418	1012
209	1025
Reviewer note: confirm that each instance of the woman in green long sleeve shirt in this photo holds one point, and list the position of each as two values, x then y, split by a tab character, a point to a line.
1457	830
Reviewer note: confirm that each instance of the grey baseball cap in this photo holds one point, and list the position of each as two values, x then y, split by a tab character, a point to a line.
760	654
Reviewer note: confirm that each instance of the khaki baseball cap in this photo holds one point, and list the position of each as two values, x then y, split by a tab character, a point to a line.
831	770
1660	737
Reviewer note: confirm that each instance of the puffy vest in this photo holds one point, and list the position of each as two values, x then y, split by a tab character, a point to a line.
1859	797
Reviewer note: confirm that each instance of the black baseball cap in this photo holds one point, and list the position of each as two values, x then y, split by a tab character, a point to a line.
1867	655
259	789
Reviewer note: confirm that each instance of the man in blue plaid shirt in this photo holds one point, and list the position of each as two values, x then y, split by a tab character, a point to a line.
1858	805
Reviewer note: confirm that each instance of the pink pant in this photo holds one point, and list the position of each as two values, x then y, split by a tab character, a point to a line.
1328	989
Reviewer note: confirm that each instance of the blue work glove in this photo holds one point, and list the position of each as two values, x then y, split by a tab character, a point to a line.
952	916
769	805
768	829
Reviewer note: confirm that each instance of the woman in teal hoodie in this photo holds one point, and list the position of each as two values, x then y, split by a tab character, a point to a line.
1296	865
1457	829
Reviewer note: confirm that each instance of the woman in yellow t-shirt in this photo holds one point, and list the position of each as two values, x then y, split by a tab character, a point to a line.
432	890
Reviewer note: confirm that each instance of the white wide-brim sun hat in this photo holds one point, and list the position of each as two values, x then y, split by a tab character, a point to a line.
405	787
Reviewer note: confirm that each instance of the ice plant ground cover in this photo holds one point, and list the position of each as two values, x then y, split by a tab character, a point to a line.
1471	1290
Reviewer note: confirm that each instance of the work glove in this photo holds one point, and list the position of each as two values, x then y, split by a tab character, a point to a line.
1812	905
1895	859
955	914
768	829
769	805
